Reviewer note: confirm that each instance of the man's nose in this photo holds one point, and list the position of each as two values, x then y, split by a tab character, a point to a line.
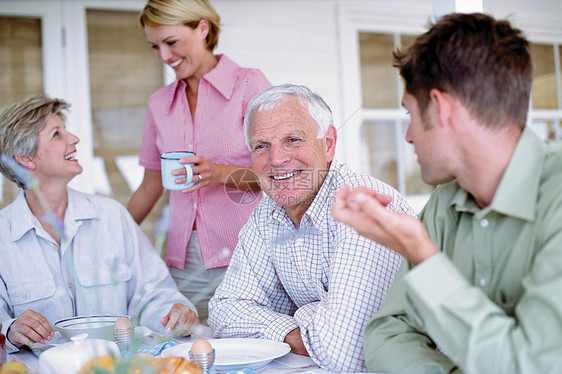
278	154
408	135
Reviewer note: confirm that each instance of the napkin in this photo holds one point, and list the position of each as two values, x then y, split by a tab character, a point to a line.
156	349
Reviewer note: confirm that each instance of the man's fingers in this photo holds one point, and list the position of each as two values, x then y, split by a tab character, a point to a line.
19	337
177	319
339	206
30	327
370	206
172	320
22	333
42	326
181	320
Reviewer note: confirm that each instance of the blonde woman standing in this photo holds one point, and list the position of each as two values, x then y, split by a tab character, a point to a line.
202	112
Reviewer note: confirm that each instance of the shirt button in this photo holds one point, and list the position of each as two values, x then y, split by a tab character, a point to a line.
26	295
484	223
482	282
69	285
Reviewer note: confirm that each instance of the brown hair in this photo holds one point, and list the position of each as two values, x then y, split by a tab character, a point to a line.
20	125
482	61
182	12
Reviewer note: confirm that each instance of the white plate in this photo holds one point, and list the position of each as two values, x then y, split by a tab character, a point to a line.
235	354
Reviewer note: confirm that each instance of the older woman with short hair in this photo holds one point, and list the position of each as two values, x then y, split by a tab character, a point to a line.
66	253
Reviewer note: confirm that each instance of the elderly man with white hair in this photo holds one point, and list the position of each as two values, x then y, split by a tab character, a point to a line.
297	275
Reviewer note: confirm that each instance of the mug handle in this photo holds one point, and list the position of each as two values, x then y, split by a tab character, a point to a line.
189	176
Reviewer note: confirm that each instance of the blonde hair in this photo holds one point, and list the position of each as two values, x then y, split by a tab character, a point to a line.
20	125
182	12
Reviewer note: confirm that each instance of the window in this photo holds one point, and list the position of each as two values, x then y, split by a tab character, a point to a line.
385	122
22	72
545	116
123	73
91	47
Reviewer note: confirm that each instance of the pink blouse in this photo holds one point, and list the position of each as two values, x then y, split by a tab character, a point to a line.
215	132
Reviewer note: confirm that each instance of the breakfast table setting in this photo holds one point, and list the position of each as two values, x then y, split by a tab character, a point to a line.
74	345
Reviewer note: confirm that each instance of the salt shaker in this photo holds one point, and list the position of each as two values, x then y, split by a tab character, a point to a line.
123	333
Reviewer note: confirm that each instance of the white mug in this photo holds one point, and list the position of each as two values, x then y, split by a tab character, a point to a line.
169	162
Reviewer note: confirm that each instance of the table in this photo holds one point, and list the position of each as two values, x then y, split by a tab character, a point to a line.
288	361
282	364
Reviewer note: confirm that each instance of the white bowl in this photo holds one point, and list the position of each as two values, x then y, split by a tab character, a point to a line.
70	357
96	326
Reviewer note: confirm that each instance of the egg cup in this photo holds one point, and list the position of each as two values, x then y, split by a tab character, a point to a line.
124	339
204	360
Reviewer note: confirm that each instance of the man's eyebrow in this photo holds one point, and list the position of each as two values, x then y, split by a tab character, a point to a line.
296	132
256	141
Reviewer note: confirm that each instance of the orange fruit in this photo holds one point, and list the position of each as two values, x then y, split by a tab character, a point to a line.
104	363
14	367
175	365
139	363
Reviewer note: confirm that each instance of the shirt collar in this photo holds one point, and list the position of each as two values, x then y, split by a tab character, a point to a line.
222	77
174	88
519	184
25	222
79	208
320	208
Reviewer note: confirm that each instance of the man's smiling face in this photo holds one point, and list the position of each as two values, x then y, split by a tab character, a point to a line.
288	158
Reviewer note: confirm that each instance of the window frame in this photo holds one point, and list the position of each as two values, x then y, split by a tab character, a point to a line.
412	18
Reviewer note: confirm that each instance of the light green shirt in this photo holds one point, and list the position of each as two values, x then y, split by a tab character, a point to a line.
492	300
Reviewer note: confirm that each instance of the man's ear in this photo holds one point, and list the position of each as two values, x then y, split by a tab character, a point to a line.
25	161
444	103
331	139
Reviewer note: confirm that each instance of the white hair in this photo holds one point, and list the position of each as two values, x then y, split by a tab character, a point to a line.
270	97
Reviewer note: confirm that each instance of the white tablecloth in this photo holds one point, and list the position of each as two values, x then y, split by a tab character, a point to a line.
288	361
283	364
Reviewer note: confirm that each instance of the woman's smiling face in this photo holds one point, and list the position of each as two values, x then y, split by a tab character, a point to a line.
180	47
55	157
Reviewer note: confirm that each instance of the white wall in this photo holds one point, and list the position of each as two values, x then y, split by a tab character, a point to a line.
314	42
540	20
310	42
300	41
290	41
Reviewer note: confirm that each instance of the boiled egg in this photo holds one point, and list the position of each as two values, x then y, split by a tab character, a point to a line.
123	323
201	346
